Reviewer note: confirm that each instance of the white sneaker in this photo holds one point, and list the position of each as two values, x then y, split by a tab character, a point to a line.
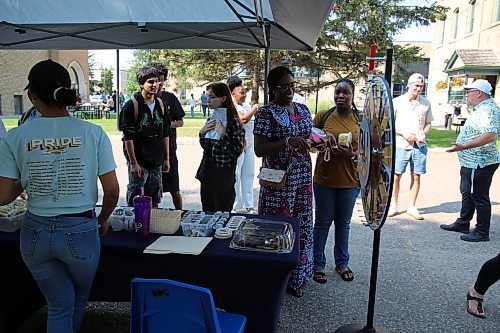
413	212
393	210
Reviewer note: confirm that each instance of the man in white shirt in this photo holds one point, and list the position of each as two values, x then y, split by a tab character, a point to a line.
413	122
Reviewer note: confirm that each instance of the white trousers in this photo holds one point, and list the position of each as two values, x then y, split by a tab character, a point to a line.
245	172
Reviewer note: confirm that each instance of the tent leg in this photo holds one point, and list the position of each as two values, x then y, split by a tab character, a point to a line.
117	94
267	53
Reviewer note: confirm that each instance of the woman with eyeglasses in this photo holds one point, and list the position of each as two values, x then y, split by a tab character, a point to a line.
336	183
281	130
217	169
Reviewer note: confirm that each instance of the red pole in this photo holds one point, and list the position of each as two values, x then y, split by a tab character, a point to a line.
371	65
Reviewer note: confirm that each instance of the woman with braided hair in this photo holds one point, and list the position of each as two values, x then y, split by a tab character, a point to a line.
336	183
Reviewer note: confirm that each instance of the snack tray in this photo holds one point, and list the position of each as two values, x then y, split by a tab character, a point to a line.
264	236
198	225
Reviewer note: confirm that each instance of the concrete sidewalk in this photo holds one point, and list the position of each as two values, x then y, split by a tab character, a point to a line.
424	272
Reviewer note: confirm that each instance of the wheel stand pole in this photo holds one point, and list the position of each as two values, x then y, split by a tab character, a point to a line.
369	327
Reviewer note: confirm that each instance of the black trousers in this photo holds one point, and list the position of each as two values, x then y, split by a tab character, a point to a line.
475	189
447	121
217	188
488	275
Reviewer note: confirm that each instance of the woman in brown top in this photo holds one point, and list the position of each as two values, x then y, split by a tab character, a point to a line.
336	183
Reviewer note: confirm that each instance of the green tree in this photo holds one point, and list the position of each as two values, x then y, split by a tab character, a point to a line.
107	80
92	67
341	49
353	25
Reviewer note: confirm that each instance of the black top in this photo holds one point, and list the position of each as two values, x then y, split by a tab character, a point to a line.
176	112
147	131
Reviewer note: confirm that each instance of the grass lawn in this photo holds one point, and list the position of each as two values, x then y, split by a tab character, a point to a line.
435	139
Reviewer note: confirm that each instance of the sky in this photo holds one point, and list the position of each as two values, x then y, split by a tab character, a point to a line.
108	57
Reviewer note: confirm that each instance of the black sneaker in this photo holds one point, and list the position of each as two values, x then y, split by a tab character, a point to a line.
463	228
475	236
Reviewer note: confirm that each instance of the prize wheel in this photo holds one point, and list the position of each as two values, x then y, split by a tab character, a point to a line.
376	152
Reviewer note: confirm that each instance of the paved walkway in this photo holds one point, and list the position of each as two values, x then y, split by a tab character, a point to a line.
424	272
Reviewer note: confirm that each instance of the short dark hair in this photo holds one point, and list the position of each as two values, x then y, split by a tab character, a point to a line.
145	73
161	68
274	76
234	82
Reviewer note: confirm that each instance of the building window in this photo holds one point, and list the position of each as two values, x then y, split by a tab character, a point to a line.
472	14
497	15
18	104
443	32
455	28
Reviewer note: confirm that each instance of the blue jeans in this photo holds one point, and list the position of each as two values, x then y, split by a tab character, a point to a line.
62	254
333	204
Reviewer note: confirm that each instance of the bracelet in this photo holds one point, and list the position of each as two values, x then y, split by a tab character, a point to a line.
286	141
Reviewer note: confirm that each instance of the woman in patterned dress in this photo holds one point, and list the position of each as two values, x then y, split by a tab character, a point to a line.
281	130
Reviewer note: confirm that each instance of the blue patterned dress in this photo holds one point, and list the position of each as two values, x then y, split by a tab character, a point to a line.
276	123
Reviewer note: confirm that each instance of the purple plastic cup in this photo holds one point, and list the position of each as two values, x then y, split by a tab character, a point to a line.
142	211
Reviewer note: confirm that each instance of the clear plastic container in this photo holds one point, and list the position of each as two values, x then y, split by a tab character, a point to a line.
264	235
198	225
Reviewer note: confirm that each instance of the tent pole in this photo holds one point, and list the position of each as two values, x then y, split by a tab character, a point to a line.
117	94
267	52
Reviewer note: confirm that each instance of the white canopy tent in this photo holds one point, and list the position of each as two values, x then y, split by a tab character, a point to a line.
161	24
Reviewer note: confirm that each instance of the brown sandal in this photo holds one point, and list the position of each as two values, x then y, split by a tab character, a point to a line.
320	277
477	311
295	292
344	273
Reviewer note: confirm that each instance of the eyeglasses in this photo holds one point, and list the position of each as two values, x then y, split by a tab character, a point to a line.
471	90
286	86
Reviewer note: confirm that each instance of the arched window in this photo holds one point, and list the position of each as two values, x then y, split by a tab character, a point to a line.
455	25
497	14
472	12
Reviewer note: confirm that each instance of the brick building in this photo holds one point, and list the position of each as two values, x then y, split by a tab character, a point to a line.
14	69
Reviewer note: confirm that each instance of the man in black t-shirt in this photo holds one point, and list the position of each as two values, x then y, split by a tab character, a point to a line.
146	129
176	112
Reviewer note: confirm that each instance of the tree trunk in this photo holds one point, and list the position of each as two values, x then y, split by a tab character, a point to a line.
256	69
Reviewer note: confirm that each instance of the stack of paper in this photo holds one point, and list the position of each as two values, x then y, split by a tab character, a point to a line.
178	244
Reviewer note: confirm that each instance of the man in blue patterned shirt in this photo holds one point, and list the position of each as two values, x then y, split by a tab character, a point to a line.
479	158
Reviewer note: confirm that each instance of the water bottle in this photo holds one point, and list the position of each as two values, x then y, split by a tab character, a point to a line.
142	210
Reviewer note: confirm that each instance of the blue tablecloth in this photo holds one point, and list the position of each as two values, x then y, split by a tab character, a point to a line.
244	282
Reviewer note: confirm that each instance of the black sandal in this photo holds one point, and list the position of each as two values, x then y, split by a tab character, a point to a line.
295	292
320	277
344	273
479	309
